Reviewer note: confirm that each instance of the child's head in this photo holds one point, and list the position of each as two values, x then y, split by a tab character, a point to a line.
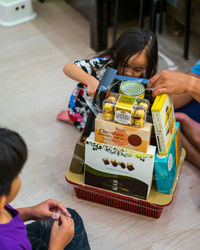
135	53
13	155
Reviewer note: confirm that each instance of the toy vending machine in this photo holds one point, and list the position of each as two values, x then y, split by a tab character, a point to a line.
113	161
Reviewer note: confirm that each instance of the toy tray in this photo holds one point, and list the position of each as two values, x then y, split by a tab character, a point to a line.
151	207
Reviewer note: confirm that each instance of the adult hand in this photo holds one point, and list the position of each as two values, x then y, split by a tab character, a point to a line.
47	209
62	233
92	86
169	82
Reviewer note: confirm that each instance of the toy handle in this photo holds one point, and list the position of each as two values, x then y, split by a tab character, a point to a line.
101	92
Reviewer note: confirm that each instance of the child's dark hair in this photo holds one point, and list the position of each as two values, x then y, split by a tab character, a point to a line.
13	155
134	41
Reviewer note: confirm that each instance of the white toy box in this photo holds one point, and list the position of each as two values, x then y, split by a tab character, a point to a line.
13	12
118	169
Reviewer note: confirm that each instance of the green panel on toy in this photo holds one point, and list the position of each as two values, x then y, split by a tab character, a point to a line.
118	169
77	163
165	166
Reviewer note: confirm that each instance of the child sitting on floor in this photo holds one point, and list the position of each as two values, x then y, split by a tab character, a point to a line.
62	230
134	54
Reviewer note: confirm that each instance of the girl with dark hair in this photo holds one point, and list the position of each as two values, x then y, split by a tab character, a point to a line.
134	54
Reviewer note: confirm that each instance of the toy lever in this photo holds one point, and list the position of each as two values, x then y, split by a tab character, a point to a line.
102	89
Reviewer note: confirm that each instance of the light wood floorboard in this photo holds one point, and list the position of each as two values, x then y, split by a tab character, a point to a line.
34	89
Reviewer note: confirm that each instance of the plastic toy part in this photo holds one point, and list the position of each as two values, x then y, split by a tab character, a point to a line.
152	207
132	88
125	109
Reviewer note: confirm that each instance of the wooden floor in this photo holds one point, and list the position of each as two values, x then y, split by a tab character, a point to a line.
34	89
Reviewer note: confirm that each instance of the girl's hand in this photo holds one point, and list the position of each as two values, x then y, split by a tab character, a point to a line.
62	233
47	209
78	74
92	86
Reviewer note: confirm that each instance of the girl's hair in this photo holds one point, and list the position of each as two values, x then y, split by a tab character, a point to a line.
131	42
13	155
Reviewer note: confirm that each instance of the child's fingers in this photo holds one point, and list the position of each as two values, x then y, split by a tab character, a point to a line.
56	224
55	216
66	221
68	214
58	205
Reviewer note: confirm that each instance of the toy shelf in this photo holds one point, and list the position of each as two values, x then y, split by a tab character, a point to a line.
151	207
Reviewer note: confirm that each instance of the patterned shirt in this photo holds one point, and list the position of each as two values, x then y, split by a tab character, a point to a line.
78	108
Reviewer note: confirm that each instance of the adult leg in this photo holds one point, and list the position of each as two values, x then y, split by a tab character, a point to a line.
190	129
38	235
192	154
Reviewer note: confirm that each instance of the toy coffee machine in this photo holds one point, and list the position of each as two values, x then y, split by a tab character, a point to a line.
130	139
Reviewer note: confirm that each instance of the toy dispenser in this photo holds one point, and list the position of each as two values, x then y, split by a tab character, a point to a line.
13	12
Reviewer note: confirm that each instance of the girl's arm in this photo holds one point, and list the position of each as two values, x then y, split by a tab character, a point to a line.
76	73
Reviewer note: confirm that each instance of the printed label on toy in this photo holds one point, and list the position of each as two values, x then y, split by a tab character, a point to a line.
164	122
122	135
170	162
178	147
123	117
118	169
123	109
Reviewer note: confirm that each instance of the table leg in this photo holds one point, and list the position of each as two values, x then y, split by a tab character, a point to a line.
115	20
187	29
98	25
141	14
161	16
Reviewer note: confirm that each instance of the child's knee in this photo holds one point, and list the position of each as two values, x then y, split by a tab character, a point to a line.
71	211
75	216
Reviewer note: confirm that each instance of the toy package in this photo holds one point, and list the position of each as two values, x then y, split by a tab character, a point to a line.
118	169
164	122
116	134
165	165
125	109
115	146
108	83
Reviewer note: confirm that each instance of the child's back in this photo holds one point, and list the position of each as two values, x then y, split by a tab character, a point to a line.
13	234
